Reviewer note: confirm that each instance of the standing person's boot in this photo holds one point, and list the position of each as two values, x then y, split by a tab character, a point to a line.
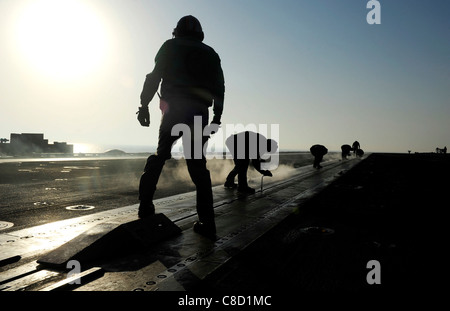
207	230
146	209
200	175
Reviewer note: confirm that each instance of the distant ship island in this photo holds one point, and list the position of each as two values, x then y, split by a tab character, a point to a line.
29	144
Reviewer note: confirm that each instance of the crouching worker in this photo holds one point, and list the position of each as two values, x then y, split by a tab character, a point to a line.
318	151
346	149
245	146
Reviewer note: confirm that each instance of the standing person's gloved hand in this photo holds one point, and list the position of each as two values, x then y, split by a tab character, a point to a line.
143	116
216	120
215	125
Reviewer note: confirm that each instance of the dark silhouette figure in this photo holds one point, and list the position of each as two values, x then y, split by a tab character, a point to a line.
355	146
192	81
245	147
443	150
359	153
318	151
346	149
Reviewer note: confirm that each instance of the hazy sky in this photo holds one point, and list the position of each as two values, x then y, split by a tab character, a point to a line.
74	70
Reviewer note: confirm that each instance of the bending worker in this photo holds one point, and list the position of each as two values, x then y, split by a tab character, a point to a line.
245	146
318	151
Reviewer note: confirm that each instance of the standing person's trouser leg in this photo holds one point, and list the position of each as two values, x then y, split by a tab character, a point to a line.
155	163
183	113
196	163
201	177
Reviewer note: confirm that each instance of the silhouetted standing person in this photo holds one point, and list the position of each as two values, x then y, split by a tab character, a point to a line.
346	149
245	147
318	151
355	147
192	81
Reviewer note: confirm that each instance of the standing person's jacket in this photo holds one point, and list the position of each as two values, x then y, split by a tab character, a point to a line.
188	69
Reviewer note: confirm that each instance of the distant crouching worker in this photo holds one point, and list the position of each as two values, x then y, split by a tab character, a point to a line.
359	153
346	149
318	151
245	146
439	150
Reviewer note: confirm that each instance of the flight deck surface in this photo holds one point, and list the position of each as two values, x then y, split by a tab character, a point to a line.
177	263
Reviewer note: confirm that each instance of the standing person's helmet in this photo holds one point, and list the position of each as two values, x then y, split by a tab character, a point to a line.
188	26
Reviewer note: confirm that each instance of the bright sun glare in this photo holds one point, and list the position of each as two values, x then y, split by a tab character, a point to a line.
61	38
